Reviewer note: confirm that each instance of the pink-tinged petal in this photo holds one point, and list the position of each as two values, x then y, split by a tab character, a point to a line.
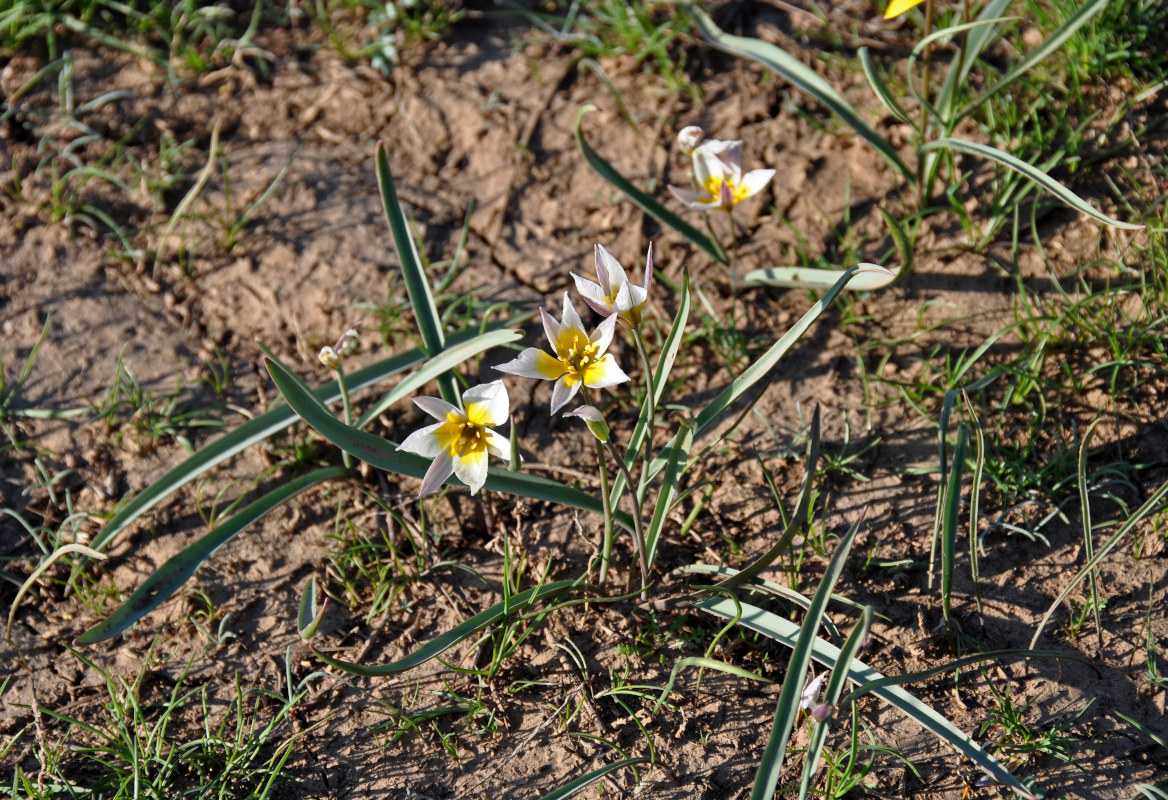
492	399
565	389
471	469
726	196
604	373
423	442
613	274
551	328
602	336
755	181
439	471
435	407
593	295
689	197
570	319
534	363
498	444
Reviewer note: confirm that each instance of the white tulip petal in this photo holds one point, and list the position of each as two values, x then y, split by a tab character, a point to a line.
498	444
613	274
471	469
423	442
570	319
706	166
756	180
551	328
624	299
565	389
493	398
534	363
593	295
689	197
435	407
437	474
602	336
604	373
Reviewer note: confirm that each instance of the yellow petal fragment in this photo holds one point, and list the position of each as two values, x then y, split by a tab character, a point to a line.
549	366
898	7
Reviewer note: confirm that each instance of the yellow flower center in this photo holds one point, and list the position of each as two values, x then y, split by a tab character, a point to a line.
576	352
461	437
713	187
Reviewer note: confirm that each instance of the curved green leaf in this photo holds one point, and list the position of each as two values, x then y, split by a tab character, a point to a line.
170	577
385	455
642	200
247	434
1031	172
311	612
798	75
759	369
448	359
704	663
810	278
881	88
786	632
440	644
569	789
414	274
787	710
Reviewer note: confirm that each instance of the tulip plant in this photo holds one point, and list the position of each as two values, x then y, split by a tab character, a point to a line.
643	463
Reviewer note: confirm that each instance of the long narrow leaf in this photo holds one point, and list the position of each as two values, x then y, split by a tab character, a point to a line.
786	632
440	644
800	76
385	455
642	200
569	789
170	577
804	278
1031	172
247	434
880	88
704	663
758	370
787	710
949	525
835	687
677	462
448	359
414	274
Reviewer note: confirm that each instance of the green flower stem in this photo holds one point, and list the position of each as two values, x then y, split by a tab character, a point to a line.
606	545
733	249
651	403
347	405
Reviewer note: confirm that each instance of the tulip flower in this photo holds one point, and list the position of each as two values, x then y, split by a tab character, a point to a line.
614	294
461	440
718	173
578	359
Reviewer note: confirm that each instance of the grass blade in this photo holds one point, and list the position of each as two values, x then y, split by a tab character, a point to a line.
678	461
798	75
1070	26
881	88
569	789
786	632
642	200
1031	172
758	370
311	612
1152	505
704	663
796	524
385	455
949	525
414	274
170	577
440	644
771	765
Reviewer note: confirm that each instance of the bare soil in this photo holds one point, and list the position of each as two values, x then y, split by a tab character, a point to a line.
479	118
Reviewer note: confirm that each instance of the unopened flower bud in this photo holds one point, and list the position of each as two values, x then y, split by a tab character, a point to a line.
348	342
329	357
822	712
689	138
593	419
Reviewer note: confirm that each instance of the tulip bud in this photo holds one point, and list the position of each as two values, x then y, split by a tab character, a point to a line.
593	419
689	138
329	357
